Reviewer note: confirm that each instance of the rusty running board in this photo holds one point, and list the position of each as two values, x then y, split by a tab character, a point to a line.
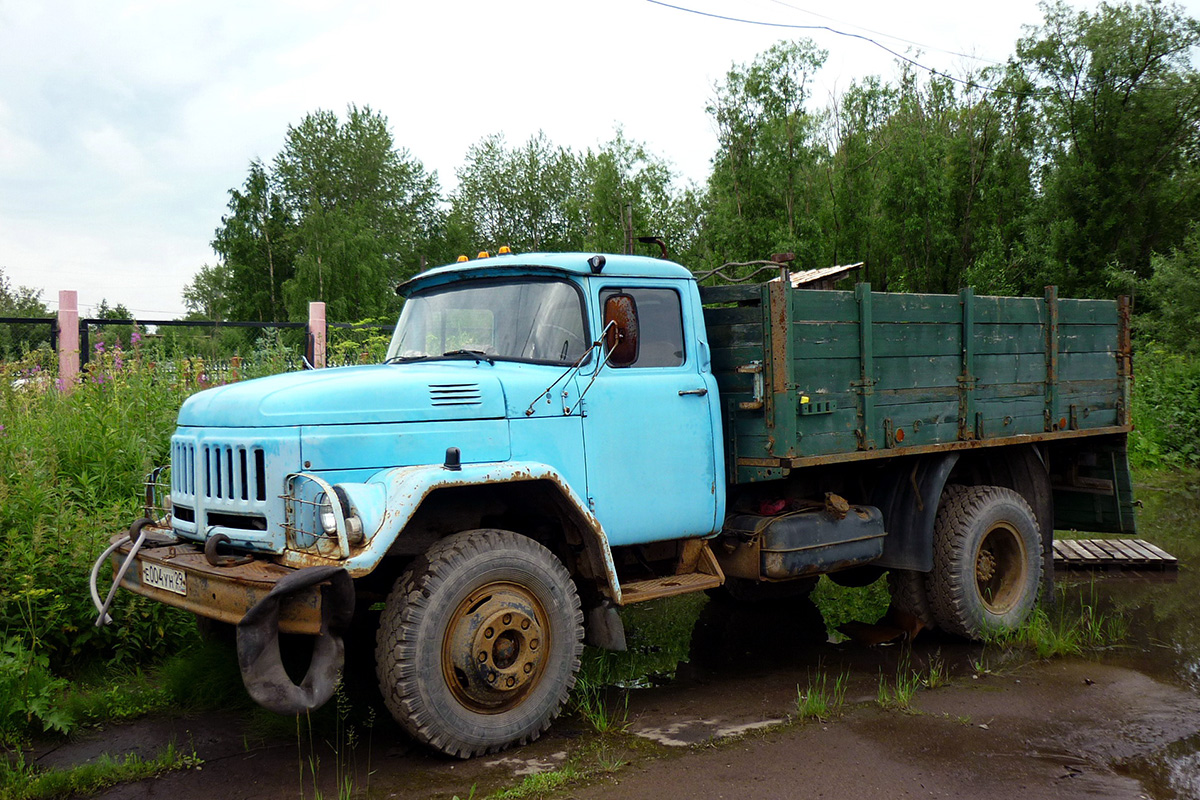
698	570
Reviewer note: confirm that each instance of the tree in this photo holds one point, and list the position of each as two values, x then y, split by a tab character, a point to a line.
364	213
1119	103
761	195
256	244
622	179
208	295
526	197
16	338
341	215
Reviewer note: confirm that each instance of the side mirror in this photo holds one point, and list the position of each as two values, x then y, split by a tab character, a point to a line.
621	329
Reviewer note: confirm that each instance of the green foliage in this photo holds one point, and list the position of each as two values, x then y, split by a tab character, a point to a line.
1166	408
340	216
20	781
22	301
1172	293
841	604
658	636
28	692
71	465
1118	105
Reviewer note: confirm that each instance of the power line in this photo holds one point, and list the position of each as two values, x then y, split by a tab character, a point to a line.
887	35
847	34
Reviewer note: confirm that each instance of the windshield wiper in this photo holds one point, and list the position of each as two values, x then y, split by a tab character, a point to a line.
405	359
478	355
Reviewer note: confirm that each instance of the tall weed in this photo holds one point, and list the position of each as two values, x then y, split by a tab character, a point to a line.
1166	408
72	462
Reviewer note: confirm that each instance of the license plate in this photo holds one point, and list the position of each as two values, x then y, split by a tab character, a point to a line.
165	578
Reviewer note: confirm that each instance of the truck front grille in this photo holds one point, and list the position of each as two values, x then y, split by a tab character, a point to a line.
218	483
233	472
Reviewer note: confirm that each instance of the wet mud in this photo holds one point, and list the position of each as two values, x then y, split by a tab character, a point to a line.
1123	723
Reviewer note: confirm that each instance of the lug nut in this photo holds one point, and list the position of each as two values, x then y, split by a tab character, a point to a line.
508	619
511	682
528	668
524	624
533	644
482	656
489	633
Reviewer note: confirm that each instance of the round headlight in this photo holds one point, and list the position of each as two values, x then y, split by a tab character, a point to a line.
325	514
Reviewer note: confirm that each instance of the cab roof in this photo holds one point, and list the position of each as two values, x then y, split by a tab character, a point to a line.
619	266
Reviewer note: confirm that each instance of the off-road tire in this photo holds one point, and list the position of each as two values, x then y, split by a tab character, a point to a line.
447	601
910	596
987	561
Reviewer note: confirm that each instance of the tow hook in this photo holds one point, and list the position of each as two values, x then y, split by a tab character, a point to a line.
258	643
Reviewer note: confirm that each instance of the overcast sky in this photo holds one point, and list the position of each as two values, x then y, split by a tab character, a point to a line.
124	124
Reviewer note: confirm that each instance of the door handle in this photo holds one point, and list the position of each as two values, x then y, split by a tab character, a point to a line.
697	392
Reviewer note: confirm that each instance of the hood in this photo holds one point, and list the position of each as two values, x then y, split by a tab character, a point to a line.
346	395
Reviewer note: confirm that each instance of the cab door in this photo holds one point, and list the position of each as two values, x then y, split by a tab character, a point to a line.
648	429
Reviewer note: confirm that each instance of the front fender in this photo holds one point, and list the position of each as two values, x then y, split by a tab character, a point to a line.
387	501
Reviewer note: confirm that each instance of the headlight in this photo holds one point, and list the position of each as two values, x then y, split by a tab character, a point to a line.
325	514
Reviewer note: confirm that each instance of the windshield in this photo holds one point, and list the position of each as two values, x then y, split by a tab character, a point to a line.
521	320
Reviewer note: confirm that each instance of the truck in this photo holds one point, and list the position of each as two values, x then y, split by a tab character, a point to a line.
554	436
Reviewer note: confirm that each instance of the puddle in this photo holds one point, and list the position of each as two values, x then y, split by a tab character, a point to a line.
1164	626
700	642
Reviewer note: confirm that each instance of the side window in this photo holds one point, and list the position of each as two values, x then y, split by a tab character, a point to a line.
660	326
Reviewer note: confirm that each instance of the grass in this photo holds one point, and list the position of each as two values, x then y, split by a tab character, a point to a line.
900	693
935	675
819	701
1064	632
541	783
19	781
591	701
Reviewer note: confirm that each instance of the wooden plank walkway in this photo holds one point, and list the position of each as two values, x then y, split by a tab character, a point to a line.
1111	554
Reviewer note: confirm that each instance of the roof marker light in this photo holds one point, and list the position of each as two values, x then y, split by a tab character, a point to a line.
461	259
596	263
504	251
482	254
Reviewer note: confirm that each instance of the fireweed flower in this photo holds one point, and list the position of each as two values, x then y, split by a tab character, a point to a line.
99	347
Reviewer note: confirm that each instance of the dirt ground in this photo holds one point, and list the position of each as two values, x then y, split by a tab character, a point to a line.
1057	729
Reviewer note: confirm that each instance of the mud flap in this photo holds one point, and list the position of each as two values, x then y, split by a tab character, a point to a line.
258	643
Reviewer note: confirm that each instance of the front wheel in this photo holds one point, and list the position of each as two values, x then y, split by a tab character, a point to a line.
987	561
479	643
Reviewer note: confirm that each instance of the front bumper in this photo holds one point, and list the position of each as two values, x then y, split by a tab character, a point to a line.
222	593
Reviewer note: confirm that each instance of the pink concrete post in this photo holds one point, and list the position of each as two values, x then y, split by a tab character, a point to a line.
68	338
316	329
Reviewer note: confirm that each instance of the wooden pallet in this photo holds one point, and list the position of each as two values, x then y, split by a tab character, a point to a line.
1111	554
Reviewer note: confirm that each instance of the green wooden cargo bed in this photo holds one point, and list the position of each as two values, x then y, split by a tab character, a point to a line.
814	377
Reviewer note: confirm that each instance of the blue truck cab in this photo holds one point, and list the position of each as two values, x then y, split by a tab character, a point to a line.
554	436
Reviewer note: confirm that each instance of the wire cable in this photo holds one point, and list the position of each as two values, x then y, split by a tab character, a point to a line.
887	35
792	26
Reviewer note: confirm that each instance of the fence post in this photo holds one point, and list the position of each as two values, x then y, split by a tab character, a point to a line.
316	330
68	338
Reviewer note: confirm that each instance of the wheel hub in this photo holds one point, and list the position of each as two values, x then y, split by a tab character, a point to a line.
493	652
1000	567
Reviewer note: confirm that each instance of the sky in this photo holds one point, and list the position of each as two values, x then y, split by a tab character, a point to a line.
125	123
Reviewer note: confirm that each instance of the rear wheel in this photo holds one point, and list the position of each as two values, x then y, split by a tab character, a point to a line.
479	643
910	597
987	561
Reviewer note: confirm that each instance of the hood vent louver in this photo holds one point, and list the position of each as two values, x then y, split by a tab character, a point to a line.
455	394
